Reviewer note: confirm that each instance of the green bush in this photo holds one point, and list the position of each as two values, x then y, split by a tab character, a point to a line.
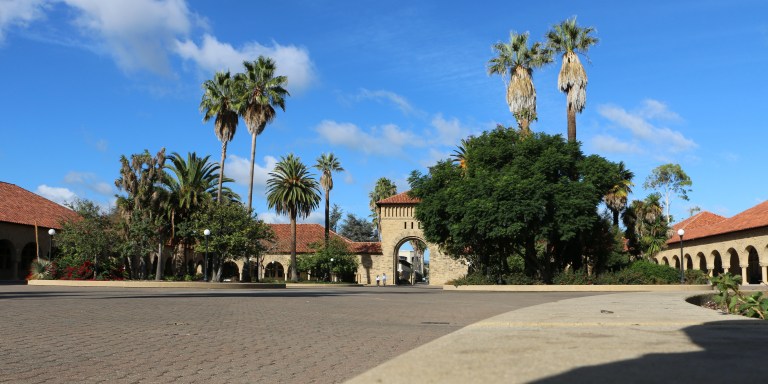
571	277
480	279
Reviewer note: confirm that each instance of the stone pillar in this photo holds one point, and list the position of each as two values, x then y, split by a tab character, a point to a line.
744	276
763	273
710	272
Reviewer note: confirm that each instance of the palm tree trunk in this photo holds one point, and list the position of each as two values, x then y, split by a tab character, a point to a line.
294	275
159	270
221	171
525	127
327	216
253	162
571	124
615	217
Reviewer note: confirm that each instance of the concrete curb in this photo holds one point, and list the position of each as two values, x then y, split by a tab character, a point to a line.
578	288
314	286
154	284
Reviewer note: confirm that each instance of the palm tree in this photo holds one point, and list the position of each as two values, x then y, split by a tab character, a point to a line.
569	39
191	184
220	100
292	191
459	155
518	60
327	164
384	188
616	198
261	91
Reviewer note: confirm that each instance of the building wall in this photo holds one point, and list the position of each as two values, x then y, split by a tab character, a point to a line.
731	250
368	266
13	239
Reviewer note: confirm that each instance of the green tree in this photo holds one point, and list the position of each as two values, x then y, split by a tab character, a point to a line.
535	197
669	179
235	233
570	40
191	185
357	229
517	59
220	100
86	243
383	189
143	208
335	216
646	226
292	191
327	164
261	91
331	259
616	198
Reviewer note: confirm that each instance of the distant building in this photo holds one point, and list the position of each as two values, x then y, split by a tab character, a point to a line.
25	219
715	244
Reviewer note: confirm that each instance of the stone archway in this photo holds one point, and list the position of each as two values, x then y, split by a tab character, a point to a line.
717	264
702	262
398	225
7	260
754	275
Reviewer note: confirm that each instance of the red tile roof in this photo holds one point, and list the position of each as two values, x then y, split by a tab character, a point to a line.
307	234
19	206
710	224
400	198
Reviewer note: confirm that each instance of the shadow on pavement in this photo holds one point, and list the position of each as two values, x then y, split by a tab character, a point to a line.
733	351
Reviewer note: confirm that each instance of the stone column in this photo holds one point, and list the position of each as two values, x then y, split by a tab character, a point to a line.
763	273
744	276
710	272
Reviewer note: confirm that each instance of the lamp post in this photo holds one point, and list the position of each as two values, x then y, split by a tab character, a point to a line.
331	269
681	232
207	233
51	232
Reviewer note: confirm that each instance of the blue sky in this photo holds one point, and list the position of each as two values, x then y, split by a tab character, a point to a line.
389	87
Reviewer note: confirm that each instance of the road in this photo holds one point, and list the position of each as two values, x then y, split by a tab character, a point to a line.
328	335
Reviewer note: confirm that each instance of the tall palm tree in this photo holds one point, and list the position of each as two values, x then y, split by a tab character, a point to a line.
517	59
327	164
292	191
570	40
220	100
459	154
261	91
384	188
616	198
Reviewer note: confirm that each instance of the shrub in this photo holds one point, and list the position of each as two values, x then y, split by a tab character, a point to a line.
40	270
571	277
480	279
734	301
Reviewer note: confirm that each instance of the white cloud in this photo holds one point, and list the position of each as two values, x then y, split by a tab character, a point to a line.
213	55
90	181
20	13
386	139
654	109
239	168
56	194
138	34
381	95
448	132
611	144
642	129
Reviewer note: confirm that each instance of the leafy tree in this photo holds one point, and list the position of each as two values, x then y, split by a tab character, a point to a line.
143	208
220	100
335	216
384	188
292	191
327	164
669	179
333	258
357	229
646	226
517	59
535	197
88	239
570	40
616	198
235	233
260	92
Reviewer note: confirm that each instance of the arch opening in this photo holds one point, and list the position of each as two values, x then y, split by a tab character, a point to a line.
754	275
410	261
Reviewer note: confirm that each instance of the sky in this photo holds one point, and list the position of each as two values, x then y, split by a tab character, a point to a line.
388	86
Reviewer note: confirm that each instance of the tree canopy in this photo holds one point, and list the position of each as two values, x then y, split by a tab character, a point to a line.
534	196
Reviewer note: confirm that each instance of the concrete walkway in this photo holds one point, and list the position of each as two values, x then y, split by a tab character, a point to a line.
643	337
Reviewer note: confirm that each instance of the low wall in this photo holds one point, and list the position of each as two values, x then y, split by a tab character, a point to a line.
578	288
153	284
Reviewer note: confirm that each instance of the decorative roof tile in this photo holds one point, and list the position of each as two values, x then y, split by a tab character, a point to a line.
400	198
308	234
19	206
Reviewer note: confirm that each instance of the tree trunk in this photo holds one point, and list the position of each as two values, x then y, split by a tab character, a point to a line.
525	127
294	274
159	269
571	124
253	162
221	170
327	216
615	217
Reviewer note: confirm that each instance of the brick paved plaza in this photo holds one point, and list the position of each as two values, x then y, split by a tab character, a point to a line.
94	335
